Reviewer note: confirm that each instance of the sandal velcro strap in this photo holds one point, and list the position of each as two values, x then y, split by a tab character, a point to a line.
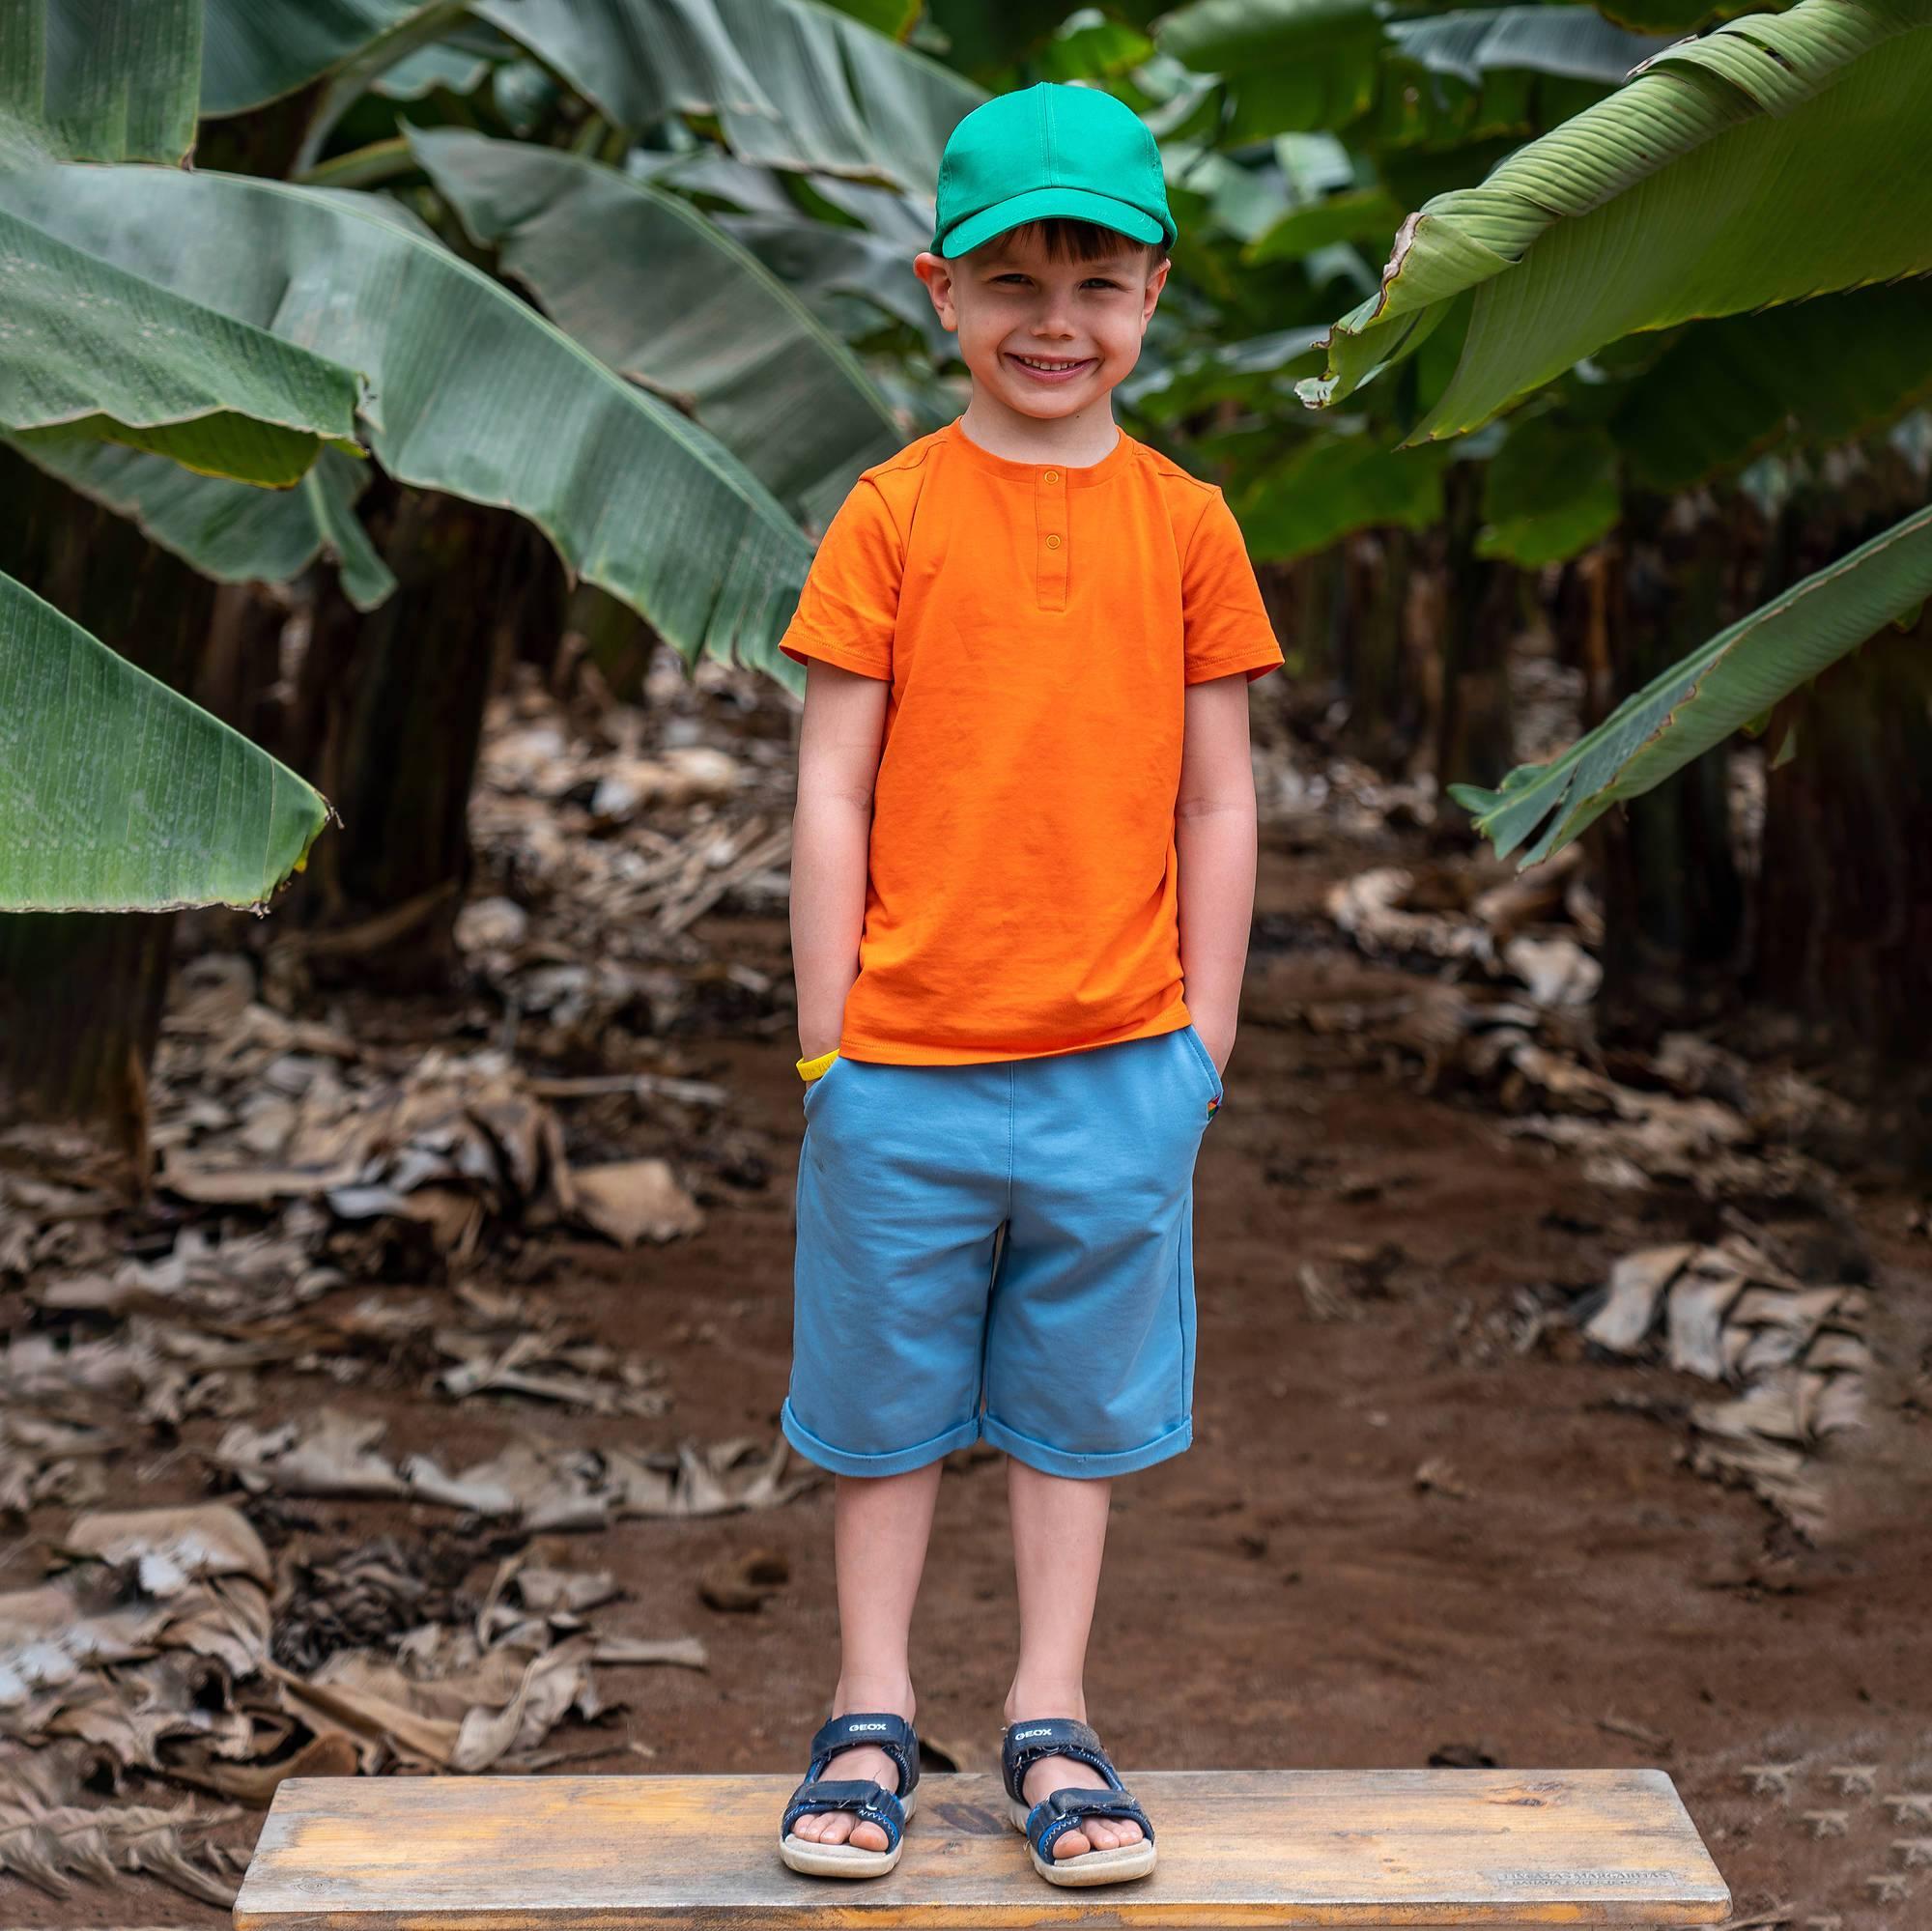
880	1729
860	1794
1025	1743
1061	1810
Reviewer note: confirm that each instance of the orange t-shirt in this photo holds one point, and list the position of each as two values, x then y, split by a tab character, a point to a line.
1037	625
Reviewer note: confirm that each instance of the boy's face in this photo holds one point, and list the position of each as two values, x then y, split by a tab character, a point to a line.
1046	338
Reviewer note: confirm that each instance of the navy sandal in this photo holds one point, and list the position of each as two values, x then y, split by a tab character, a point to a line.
869	1799
1022	1745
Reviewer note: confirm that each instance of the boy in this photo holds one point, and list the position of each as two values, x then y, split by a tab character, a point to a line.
1022	882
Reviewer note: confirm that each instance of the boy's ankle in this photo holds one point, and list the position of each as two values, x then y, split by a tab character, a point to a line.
874	1693
1027	1702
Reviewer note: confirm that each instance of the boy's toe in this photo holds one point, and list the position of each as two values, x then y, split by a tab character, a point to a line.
1097	1834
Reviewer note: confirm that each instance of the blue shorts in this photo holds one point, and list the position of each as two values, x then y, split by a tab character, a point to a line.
1001	1250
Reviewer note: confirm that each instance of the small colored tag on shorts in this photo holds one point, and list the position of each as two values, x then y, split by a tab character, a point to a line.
1211	1105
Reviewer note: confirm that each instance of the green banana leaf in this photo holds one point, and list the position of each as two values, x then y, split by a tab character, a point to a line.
1680	16
792	85
1291	66
92	351
1304	65
453	65
1549	493
255	51
1825	371
1574	42
118	795
227	531
1330	485
664	295
1734	678
82	81
471	392
1762	163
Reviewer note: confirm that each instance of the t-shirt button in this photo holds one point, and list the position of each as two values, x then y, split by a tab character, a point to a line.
1050	476
1053	543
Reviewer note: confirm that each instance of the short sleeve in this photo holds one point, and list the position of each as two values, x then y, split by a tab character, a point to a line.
1227	625
849	607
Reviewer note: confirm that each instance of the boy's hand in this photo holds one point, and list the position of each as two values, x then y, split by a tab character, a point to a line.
1217	1035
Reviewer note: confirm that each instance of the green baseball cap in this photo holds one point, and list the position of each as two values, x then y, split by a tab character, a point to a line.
1051	149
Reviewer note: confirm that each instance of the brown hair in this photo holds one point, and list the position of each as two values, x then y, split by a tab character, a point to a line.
1064	238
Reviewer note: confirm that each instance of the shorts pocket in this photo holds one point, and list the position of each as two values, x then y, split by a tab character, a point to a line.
828	1063
1216	1091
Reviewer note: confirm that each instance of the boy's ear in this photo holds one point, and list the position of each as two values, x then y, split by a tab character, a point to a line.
1155	282
936	272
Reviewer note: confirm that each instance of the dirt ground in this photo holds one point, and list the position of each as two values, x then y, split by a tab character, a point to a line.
1564	1592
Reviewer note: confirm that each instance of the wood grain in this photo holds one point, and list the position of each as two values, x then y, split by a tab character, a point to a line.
1368	1849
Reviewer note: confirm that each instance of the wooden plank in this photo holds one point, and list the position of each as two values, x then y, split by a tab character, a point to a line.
1365	1849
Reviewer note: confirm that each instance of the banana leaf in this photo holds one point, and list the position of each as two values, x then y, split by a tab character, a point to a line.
1822	371
1549	493
1576	43
255	51
664	295
92	351
471	392
1331	485
1762	163
1733	679
1291	66
1303	64
227	531
791	85
118	795
89	80
1234	37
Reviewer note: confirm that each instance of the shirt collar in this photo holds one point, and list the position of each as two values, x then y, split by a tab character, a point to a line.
1076	476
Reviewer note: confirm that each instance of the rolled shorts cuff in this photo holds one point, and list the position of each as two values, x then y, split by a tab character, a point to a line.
1069	1462
891	1462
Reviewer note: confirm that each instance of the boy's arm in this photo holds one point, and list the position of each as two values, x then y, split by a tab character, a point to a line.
1229	642
843	633
830	832
1214	837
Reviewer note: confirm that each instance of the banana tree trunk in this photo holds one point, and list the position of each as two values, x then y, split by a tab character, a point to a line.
81	993
394	700
1348	638
1473	729
1377	677
1844	900
1673	901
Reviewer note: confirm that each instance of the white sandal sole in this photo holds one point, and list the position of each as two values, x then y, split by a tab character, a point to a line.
1123	1861
844	1860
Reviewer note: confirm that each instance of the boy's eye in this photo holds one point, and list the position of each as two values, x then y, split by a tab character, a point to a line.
1091	281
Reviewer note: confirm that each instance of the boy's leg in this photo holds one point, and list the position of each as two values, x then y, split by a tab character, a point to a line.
1060	1529
902	1184
1090	1357
880	1528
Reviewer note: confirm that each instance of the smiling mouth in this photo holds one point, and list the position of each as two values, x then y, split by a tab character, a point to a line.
1050	365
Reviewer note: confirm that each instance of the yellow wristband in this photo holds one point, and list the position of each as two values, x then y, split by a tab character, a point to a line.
810	1070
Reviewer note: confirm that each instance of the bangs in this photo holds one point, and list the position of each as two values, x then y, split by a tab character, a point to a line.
1066	238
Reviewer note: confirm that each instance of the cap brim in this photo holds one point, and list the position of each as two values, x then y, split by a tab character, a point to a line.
1035	205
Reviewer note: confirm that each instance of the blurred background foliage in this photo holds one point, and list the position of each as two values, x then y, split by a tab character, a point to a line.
458	327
